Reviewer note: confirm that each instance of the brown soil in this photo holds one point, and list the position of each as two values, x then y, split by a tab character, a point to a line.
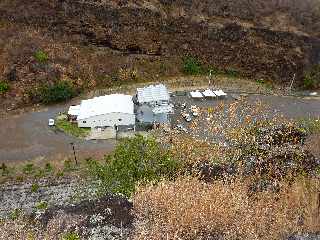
107	43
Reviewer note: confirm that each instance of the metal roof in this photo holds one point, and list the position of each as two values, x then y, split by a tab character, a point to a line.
163	109
220	93
196	94
209	93
74	110
153	93
114	103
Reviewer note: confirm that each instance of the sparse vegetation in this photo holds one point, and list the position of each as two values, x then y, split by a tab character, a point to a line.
58	92
310	125
42	205
28	168
71	128
34	187
4	87
41	56
191	66
232	73
71	236
48	168
312	78
16	213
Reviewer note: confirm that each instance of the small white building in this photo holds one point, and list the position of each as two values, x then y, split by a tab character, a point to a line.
196	94
153	104
106	111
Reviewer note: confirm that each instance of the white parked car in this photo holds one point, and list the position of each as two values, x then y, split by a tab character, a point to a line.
51	122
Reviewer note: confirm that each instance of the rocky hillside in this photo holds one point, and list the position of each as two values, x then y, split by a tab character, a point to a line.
98	42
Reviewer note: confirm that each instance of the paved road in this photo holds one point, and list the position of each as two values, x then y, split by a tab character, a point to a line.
289	107
27	136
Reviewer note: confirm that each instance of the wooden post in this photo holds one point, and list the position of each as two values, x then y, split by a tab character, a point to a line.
74	153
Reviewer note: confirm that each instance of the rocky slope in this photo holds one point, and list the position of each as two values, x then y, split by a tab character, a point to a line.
97	41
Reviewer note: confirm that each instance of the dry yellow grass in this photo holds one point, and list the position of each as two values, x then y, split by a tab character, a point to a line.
190	209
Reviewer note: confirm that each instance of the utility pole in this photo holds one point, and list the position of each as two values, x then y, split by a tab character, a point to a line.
292	81
74	153
210	77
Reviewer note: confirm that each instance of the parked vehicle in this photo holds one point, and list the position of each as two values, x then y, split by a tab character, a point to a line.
51	122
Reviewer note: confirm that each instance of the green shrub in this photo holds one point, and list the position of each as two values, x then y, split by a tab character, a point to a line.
213	71
48	168
72	129
192	66
58	92
16	213
28	168
139	159
71	236
42	205
41	56
310	125
35	187
68	166
232	73
4	87
4	170
311	78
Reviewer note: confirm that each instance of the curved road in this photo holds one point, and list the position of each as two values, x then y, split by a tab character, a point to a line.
27	136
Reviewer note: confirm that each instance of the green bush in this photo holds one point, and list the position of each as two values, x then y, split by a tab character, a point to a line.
71	236
311	78
72	129
4	87
28	168
58	92
139	159
42	205
310	125
48	168
41	56
192	66
232	73
35	187
15	213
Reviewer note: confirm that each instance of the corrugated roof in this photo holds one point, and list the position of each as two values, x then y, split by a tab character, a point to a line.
209	93
163	109
220	93
153	93
74	110
114	103
196	94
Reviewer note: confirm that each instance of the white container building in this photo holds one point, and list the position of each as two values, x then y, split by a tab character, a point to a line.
106	111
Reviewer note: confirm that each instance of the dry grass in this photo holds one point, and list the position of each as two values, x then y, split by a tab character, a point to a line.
313	144
190	209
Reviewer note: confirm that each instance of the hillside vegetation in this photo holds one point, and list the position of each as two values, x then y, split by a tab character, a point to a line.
98	44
